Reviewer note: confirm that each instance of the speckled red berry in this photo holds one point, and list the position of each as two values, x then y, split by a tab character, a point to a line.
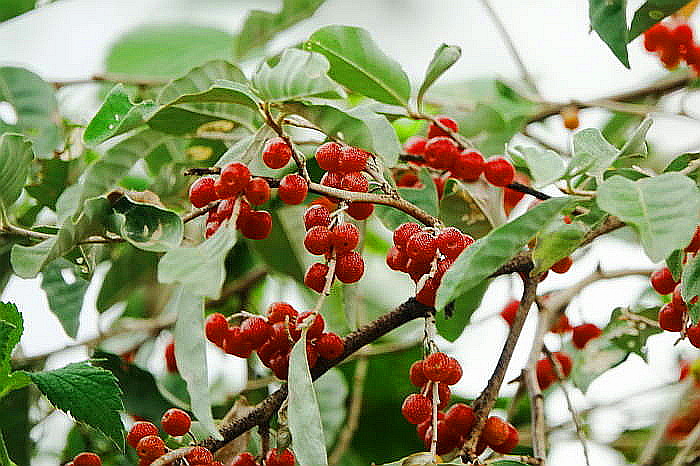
275	457
139	430
332	179
257	191
460	417
495	431
404	232
315	277
236	344
330	346
451	242
421	246
346	237
662	281
244	459
349	267
436	366
454	372
150	447
216	328
293	189
318	240
256	225
510	442
87	459
416	408
279	311
441	153
202	192
316	215
584	333
199	455
355	182
416	375
396	259
352	159
499	171
233	179
276	153
176	422
468	165
328	156
256	330
435	131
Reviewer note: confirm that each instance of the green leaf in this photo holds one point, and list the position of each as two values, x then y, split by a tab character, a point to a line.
636	145
131	268
28	261
475	208
555	244
90	394
545	166
298	74
681	162
117	115
332	395
608	19
690	287
15	162
261	26
674	262
629	336
200	79
444	57
487	254
304	416
201	267
65	300
358	64
167	50
147	226
11	332
15	425
424	197
4	456
187	303
35	105
53	179
592	154
663	210
11	8
284	249
452	327
651	13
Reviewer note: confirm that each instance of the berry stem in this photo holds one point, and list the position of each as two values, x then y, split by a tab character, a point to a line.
276	126
435	397
172	456
327	286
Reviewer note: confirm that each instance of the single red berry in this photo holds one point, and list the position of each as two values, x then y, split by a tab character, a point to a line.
426	295
415	145
654	36
170	362
352	159
584	333
256	330
330	346
460	417
355	182
451	242
677	298
545	373
236	344
499	171
683	35
315	216
225	209
444	394
435	131
293	189
202	192
280	366
315	329
693	334
447	438
416	269
276	153
670	57
404	232
408	180
315	277
332	179
346	237
562	325
277	312
140	430
244	459
510	443
662	281
233	179
416	408
328	156
396	259
151	447
349	267
422	428
436	366
87	459
511	197
422	246
468	165
495	431
318	240
565	362
509	311
416	375
694	244
256	225
276	458
257	191
360	210
563	265
199	455
176	422
454	372
671	318
441	153
216	328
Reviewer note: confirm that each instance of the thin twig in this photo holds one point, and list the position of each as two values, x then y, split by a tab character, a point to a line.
128	79
353	419
172	456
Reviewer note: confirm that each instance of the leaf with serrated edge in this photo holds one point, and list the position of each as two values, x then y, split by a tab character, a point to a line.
608	19
545	166
487	254
190	351
15	162
555	244
444	57
147	226
690	287
662	209
651	13
592	154
304	417
90	394
357	63
65	300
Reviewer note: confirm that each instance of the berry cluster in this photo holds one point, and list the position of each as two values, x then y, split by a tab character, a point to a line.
272	337
85	459
673	44
273	458
426	251
330	238
546	373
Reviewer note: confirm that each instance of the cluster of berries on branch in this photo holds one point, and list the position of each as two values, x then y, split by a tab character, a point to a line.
274	457
673	43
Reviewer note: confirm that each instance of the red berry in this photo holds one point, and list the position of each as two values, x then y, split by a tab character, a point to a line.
404	232
330	346
447	439
170	362
315	277
328	156
499	171
684	370
408	180
332	179
454	372
683	35
293	189
416	408
460	417
212	228
199	455
349	267
216	328
276	153
346	237
276	458
563	265
468	165
280	366
360	210
511	197
693	334
318	240
225	209
236	344
87	459
416	269
671	318
416	374
584	333
352	159
256	330
176	422
694	244
140	430
244	459
677	299
654	36
315	329
441	153
422	428
233	179
426	295
565	362
315	216
662	281
150	447
495	431
422	246
256	225
444	394
415	145
510	443
277	312
545	373
354	181
435	131
509	311
562	325
202	192
436	367
451	242
396	259
257	191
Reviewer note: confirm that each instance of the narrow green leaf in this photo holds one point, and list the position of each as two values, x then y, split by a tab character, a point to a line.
475	208
425	197
690	287
663	210
147	226
298	74
452	327
117	115
90	394
489	253
545	166
190	351
35	105
651	13
592	154
636	145
15	162
65	300
332	395
555	244
304	416
608	18
444	57
4	456
358	64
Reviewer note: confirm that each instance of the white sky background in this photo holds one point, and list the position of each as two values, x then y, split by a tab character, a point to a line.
69	39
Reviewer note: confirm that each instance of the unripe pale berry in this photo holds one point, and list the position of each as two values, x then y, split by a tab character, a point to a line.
435	131
584	333
139	430
499	171
349	267
318	240
216	328
293	189
346	237
315	277
202	192
176	422
257	191
468	165
316	215
416	408
328	156
276	153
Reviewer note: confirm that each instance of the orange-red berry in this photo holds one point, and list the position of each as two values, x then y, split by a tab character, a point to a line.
233	179
509	311
662	281
275	457
436	366
468	165
176	422
584	333
563	265
349	267
276	153
330	346
150	447
315	277
495	431
87	459
328	156
199	455
170	362
293	189
202	192
318	240
139	430
435	131
257	191
346	237
499	171
316	215
352	159
216	328
416	408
